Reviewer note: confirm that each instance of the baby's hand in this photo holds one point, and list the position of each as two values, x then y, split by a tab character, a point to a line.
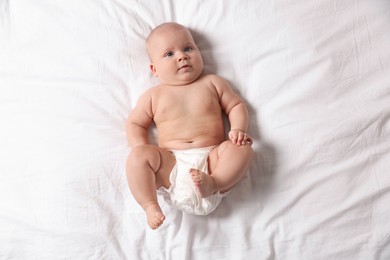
239	137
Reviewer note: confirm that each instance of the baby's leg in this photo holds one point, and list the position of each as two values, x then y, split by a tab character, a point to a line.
228	164
148	168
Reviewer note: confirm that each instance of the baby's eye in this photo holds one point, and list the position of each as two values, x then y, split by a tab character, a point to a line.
187	49
168	54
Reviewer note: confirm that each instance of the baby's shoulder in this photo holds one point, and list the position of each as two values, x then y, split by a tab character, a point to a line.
215	79
150	92
212	77
217	82
147	97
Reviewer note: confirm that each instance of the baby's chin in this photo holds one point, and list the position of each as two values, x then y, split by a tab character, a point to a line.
182	79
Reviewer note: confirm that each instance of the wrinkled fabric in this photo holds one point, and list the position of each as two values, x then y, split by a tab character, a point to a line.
314	74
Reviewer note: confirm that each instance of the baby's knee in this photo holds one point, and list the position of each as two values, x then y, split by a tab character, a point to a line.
240	149
143	154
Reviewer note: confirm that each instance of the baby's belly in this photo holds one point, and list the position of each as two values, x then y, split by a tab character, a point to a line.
187	136
181	144
191	132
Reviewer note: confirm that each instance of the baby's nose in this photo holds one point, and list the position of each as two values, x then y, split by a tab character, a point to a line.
183	56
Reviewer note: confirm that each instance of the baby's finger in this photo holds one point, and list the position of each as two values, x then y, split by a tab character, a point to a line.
241	138
244	139
250	141
233	138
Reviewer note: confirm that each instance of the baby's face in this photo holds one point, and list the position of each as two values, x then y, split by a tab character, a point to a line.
175	58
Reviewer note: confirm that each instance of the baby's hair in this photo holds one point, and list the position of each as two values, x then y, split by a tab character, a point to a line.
162	26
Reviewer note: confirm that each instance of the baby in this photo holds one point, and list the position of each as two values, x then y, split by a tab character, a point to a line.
193	166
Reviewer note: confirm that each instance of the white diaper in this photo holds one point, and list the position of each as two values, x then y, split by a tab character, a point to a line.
182	193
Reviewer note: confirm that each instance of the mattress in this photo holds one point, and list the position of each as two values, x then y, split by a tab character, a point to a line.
315	76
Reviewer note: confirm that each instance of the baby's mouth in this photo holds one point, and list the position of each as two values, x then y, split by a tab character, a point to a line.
184	67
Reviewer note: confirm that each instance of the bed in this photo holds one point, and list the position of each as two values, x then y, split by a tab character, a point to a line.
314	74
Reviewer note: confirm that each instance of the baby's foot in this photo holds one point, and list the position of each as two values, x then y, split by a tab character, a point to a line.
204	183
154	215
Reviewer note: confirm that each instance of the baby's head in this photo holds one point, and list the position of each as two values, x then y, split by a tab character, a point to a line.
173	54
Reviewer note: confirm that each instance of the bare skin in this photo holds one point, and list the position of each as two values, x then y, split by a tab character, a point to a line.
187	110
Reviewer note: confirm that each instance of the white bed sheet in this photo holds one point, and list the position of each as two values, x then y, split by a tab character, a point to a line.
315	75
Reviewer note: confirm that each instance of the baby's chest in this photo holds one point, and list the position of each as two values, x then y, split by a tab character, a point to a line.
187	104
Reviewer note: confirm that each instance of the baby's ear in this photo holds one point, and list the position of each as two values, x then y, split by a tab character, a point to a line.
153	70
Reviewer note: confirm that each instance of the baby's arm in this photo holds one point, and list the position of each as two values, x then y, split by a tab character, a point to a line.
139	121
235	109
